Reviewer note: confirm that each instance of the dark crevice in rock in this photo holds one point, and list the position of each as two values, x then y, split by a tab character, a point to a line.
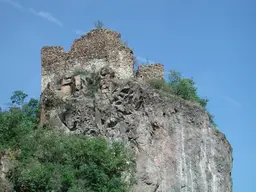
156	187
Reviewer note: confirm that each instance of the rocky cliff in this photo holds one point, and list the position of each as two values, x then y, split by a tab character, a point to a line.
177	149
93	90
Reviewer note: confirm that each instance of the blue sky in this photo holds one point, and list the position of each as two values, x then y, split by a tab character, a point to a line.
212	41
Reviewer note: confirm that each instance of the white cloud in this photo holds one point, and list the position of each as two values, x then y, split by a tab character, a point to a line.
47	16
144	60
42	14
15	4
79	32
232	101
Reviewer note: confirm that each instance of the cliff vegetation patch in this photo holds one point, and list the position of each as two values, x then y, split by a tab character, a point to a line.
48	160
182	87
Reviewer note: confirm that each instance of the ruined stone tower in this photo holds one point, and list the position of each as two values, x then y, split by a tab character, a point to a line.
98	48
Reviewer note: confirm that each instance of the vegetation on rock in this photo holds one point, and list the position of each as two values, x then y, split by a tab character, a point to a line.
49	160
92	80
183	87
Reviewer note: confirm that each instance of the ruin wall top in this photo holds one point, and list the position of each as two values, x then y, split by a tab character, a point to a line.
153	71
98	48
96	44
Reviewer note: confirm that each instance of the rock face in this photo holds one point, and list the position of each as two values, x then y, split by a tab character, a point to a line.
5	166
176	148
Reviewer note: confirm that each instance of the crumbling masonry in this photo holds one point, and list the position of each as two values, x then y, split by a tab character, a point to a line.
96	49
100	50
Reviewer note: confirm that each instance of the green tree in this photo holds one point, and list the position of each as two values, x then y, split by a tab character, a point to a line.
174	77
185	88
31	110
18	97
19	120
48	160
51	160
182	87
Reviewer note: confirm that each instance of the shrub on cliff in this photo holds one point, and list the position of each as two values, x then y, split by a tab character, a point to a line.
51	160
160	84
185	88
47	160
177	85
182	87
92	80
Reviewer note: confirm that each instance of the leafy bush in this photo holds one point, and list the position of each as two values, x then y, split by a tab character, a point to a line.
18	121
182	87
185	88
84	73
48	160
92	80
52	160
160	84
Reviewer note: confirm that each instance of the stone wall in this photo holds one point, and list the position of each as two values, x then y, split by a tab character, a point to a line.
98	48
154	71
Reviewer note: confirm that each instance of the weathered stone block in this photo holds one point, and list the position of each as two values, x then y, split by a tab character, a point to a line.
154	71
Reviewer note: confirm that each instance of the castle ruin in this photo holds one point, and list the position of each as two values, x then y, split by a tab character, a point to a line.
96	49
175	145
